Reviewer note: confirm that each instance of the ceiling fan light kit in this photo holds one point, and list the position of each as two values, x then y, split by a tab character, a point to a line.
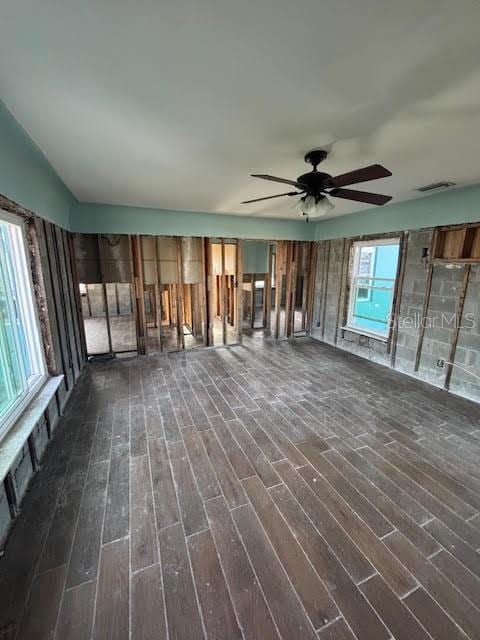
315	186
315	207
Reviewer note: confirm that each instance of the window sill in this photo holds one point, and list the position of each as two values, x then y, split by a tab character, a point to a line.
366	334
14	439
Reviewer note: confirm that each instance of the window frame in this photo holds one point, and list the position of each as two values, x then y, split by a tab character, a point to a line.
353	277
32	329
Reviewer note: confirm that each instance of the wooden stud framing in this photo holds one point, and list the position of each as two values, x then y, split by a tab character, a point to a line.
252	300
137	273
223	297
288	287
158	296
267	292
62	285
397	299
70	295
77	297
347	281
209	284
458	322
171	304
340	297
179	296
426	300
279	256
306	258
56	307
203	294
326	267
239	290
293	293
311	278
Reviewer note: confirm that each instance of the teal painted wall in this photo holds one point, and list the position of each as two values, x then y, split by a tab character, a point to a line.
26	176
99	218
255	257
448	207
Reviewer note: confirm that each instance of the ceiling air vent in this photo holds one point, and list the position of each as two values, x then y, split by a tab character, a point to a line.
436	186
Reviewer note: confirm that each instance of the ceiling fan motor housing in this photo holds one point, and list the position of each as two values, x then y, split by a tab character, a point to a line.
315	182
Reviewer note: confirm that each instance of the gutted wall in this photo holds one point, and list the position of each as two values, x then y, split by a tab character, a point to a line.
58	309
331	292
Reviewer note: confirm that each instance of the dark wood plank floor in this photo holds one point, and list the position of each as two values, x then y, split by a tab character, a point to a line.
264	491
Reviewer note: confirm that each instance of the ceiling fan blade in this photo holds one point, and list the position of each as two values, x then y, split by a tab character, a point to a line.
279	195
360	196
264	176
372	172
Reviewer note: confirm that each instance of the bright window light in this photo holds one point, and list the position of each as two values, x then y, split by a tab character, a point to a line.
372	283
22	365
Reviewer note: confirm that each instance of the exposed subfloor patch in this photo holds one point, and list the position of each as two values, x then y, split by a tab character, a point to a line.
261	491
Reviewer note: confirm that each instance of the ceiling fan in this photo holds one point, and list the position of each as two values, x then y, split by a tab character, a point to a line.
316	186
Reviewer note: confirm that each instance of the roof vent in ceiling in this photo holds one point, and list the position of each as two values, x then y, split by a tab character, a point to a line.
436	186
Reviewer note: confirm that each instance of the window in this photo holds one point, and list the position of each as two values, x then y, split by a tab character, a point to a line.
366	263
22	366
374	270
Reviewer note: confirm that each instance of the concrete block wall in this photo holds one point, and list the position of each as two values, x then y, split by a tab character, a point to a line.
439	321
439	332
411	301
464	379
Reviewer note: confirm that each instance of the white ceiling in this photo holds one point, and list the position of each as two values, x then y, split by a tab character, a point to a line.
172	104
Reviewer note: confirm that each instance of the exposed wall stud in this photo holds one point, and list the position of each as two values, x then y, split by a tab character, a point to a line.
78	301
137	273
55	307
267	291
458	322
325	286
341	291
426	300
311	278
239	290
209	284
279	257
397	299
179	296
252	300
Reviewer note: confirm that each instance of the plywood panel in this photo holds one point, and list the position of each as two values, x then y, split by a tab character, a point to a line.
191	260
149	257
167	259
